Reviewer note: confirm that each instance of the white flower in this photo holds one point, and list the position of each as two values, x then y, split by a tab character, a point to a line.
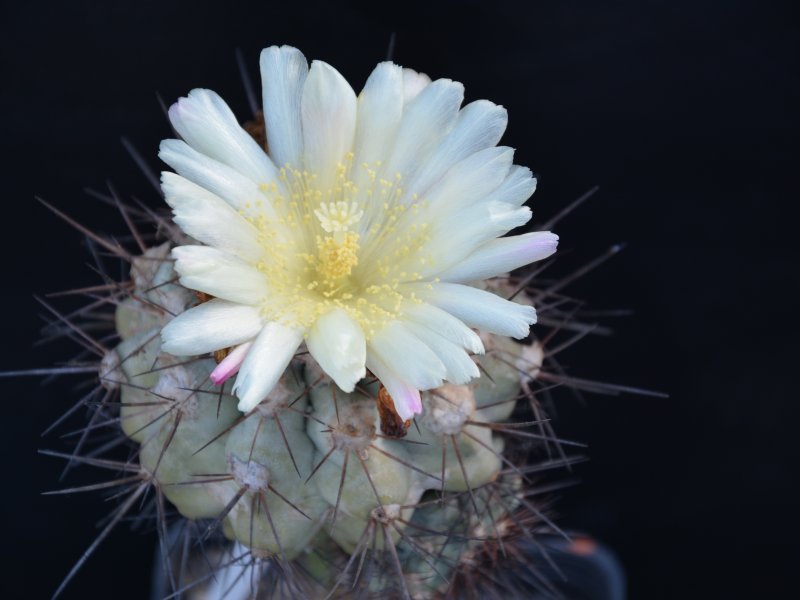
358	232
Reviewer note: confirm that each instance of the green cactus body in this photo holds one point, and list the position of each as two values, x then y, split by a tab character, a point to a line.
309	470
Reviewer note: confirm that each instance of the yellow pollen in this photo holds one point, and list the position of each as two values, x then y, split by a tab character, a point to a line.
336	260
350	245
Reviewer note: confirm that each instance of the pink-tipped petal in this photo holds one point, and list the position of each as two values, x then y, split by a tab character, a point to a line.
407	401
230	364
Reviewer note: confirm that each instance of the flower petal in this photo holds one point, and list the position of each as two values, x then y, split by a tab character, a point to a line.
406	398
209	219
283	73
413	84
469	181
463	187
230	185
230	364
214	272
426	119
208	125
337	343
479	126
210	326
444	324
266	361
407	356
479	308
517	187
380	108
502	255
455	238
460	367
458	217
328	110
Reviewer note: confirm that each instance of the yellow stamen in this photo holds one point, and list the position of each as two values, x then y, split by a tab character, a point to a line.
319	255
336	260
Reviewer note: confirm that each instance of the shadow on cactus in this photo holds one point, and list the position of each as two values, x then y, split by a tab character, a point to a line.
312	359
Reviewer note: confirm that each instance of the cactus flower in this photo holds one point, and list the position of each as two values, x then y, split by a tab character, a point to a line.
364	229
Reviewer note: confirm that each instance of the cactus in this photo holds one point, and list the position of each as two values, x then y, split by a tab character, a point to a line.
309	471
331	479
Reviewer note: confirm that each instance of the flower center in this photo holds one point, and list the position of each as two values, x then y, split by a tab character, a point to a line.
336	259
337	253
324	249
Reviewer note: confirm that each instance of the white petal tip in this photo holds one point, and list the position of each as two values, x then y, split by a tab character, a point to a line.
247	399
525	328
246	406
167	342
348	385
477	346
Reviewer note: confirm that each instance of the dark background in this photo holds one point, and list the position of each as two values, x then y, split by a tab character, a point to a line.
685	114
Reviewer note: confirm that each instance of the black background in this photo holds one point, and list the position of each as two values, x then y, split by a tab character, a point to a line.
685	114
